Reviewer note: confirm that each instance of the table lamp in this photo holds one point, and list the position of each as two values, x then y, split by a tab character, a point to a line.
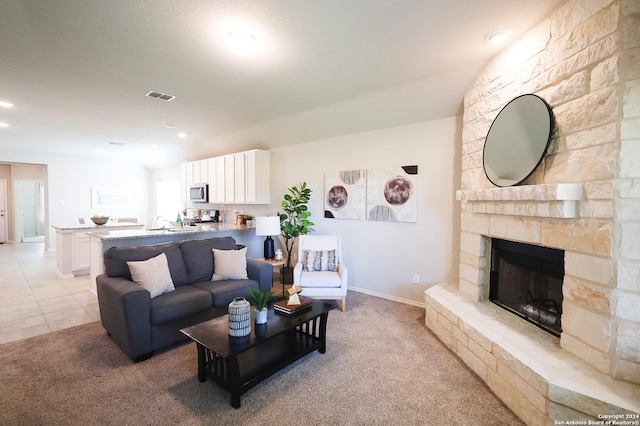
268	226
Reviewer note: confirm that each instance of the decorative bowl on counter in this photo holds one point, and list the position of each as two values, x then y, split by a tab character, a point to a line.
100	220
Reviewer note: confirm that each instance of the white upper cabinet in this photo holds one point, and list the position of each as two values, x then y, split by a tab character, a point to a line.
203	176
229	179
219	183
257	177
195	172
239	174
212	179
241	178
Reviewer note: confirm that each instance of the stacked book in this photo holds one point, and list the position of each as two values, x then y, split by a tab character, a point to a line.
284	308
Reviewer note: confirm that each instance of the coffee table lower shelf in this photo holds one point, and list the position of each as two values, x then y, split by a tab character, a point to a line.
238	374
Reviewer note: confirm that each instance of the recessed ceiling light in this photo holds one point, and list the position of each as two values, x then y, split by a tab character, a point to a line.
242	42
170	126
4	124
499	36
4	104
182	135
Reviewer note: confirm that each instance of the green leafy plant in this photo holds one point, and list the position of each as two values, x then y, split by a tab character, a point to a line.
295	219
261	297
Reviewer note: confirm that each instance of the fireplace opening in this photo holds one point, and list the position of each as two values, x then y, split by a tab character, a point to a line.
527	281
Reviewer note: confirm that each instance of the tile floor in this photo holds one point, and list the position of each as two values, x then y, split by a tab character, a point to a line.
34	300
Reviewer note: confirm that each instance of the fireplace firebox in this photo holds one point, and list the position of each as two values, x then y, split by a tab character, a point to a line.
527	281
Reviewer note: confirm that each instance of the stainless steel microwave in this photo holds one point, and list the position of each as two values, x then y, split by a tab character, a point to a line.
199	193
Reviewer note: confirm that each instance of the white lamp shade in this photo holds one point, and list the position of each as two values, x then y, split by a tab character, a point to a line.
267	225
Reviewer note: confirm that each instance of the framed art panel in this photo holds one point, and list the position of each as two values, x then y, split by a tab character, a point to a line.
345	193
392	194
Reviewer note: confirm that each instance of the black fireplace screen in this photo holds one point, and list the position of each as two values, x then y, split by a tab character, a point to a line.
527	281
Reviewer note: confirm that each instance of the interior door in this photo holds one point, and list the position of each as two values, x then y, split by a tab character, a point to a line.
3	210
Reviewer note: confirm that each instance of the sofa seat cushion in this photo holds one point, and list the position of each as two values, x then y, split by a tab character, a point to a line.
183	302
115	260
320	279
198	256
223	292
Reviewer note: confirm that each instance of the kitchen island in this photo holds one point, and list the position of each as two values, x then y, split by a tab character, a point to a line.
102	240
72	245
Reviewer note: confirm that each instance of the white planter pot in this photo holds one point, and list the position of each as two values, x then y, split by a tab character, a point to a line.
261	316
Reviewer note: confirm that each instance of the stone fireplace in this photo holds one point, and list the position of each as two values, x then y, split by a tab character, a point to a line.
584	200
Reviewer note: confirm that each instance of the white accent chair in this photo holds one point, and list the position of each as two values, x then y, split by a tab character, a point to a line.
321	284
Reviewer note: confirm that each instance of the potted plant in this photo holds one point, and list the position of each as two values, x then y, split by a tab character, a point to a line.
260	297
294	222
250	220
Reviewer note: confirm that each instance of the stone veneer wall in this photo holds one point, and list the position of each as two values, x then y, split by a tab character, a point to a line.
584	60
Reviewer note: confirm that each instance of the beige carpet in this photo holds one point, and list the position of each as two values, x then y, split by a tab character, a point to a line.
382	366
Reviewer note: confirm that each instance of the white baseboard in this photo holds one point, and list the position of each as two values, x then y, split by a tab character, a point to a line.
386	296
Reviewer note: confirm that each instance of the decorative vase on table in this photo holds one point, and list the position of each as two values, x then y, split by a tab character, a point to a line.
239	317
261	316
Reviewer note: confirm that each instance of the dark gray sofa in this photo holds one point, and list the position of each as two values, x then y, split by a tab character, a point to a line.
140	324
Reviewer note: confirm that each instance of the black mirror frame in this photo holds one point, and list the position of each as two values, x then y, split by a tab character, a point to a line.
544	151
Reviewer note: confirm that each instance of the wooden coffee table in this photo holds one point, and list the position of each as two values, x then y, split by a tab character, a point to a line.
239	363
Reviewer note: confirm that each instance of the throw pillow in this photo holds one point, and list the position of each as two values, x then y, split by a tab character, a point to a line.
153	275
229	265
319	260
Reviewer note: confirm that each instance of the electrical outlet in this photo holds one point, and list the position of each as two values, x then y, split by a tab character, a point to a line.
416	278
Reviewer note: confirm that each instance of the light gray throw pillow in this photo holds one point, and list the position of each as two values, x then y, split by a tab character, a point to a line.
229	265
153	275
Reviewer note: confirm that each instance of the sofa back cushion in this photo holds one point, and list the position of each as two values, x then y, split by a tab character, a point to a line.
198	256
115	260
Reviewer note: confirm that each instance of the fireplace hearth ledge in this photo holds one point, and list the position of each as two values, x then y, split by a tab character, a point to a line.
523	365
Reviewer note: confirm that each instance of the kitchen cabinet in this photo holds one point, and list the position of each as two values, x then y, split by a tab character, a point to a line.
73	254
220	174
203	171
229	179
191	173
240	178
212	179
257	177
80	257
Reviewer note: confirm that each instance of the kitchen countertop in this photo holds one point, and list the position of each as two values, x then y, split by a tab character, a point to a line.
121	234
91	226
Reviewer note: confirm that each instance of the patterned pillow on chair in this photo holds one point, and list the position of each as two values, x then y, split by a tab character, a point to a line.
319	260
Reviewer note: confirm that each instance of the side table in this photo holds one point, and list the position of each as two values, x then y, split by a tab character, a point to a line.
275	263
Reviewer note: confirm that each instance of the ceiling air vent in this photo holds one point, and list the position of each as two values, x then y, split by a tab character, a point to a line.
119	144
159	95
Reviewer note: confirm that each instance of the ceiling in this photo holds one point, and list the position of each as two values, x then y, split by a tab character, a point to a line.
78	70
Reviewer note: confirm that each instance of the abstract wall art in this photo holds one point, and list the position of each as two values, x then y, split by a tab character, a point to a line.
392	194
345	193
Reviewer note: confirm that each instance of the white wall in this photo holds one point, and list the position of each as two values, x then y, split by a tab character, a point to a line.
69	180
382	257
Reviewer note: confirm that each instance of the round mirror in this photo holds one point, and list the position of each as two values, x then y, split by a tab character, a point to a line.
517	140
